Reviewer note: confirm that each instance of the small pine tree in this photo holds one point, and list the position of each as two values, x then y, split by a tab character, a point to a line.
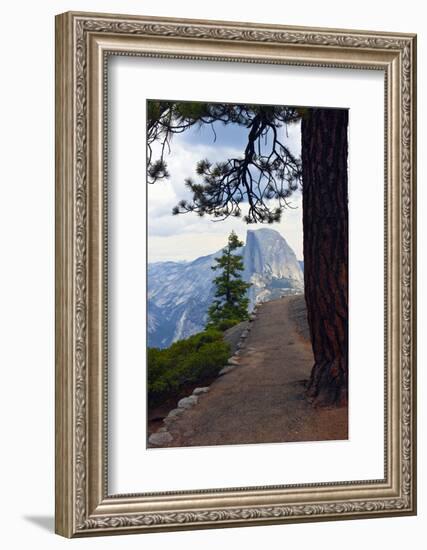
231	304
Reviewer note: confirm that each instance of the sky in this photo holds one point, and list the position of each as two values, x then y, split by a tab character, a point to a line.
187	236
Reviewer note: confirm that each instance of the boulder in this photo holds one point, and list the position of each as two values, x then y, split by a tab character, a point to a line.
160	438
188	402
199	391
233	361
175	413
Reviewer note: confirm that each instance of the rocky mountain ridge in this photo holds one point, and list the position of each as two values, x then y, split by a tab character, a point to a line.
180	293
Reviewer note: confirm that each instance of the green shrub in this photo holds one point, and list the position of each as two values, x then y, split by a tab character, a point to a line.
227	323
189	361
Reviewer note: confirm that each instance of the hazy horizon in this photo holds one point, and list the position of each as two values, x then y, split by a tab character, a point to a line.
218	249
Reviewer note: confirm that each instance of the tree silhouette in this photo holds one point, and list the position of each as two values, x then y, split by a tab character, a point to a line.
231	303
258	185
267	170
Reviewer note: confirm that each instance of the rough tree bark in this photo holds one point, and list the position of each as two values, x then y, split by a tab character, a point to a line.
325	223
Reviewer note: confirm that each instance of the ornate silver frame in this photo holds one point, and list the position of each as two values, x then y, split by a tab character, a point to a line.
83	41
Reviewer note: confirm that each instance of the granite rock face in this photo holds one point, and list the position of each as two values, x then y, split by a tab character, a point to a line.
180	293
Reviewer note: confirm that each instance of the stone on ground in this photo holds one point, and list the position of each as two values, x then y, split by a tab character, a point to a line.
175	412
160	438
188	402
199	391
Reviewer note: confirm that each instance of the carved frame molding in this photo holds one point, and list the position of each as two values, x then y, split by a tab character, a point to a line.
83	42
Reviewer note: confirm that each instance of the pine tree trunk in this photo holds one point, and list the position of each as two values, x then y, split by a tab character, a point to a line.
325	223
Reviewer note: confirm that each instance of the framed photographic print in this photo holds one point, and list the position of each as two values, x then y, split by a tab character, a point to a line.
235	274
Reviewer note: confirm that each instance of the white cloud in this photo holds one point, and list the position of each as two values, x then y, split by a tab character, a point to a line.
187	236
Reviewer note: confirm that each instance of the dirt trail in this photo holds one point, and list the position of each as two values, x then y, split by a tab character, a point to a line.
262	399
